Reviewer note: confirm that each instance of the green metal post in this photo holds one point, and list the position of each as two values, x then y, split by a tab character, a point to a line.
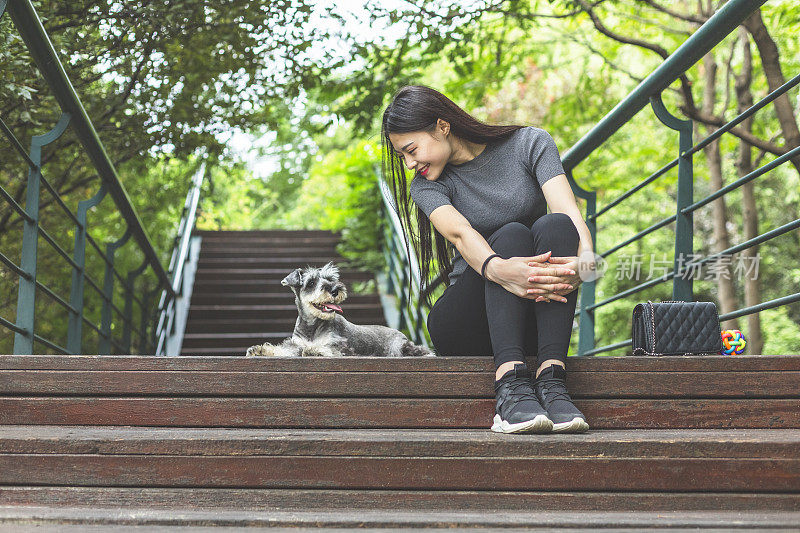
586	333
126	330
74	335
104	346
681	285
26	299
143	325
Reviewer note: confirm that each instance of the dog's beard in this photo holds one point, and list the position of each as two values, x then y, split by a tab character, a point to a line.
318	307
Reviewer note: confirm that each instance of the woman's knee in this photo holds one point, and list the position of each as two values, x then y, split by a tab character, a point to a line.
512	239
558	225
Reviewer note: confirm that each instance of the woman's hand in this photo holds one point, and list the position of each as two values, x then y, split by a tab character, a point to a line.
573	279
515	274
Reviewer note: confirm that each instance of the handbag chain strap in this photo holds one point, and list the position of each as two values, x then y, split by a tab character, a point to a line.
653	324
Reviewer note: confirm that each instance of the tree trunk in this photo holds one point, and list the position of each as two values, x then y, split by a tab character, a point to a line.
770	62
726	292
744	165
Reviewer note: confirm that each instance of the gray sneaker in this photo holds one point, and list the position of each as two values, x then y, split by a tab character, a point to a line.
517	408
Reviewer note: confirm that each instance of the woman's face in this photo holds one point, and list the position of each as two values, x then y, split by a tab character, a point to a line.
426	153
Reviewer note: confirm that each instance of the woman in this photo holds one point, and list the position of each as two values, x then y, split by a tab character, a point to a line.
513	279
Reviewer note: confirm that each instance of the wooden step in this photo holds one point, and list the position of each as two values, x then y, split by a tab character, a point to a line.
248	284
383	413
301	246
278	250
738	461
299	234
240	325
271	277
270	263
258	240
285	297
353	312
396	384
145	519
227	340
253	499
779	444
613	392
256	325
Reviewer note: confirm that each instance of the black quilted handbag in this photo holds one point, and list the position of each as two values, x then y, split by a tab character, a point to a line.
675	328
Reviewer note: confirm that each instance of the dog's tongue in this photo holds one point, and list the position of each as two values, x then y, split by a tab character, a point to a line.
335	308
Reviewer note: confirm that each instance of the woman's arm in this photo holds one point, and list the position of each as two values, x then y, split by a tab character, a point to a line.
560	199
513	273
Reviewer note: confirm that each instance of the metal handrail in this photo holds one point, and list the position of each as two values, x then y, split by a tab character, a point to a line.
43	53
177	262
30	28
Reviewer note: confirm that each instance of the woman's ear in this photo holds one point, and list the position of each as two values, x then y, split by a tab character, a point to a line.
443	127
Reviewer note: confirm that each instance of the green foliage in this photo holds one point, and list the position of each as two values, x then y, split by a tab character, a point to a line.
341	194
781	333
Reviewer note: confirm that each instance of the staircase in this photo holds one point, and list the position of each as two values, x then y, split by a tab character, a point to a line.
701	443
238	300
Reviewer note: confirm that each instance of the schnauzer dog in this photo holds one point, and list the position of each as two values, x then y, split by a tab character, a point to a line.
322	330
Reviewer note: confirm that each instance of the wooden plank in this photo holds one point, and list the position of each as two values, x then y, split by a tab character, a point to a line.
159	520
683	443
268	262
250	364
430	384
268	298
268	251
707	363
313	499
278	271
352	312
384	413
441	473
241	325
232	340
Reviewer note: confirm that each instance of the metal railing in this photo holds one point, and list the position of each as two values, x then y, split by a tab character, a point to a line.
720	25
701	42
73	115
399	265
177	263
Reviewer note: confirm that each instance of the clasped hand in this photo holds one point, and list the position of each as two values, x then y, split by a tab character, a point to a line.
540	277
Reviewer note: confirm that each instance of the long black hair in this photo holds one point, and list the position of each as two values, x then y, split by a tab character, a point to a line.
418	108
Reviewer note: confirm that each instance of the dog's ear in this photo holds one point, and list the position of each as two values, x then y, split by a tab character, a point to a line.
330	270
295	279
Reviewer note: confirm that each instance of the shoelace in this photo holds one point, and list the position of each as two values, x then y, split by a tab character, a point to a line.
514	396
551	392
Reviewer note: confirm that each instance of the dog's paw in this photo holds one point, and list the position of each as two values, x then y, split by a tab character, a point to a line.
264	350
409	349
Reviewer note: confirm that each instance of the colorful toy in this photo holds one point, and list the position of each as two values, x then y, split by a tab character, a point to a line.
733	342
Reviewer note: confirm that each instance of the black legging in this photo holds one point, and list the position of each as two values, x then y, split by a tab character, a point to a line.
475	316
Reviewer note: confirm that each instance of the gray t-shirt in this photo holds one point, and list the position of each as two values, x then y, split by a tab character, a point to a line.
496	187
